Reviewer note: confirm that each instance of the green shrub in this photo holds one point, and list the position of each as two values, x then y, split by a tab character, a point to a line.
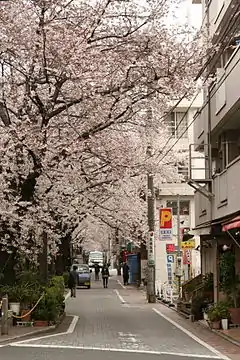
218	311
66	278
52	304
58	283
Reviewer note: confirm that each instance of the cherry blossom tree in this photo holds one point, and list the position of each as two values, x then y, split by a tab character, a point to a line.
77	77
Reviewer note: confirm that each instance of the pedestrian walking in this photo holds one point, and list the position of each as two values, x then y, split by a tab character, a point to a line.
125	273
97	271
72	281
105	275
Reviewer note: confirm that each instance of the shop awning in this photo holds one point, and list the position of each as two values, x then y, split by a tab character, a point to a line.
233	224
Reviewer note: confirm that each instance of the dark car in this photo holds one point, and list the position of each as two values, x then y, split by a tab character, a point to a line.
84	275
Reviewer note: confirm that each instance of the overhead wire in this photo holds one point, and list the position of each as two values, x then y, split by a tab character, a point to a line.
189	107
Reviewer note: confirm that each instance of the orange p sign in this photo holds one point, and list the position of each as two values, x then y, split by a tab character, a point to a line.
166	218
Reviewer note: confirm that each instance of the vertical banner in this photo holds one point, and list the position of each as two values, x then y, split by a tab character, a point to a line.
165	222
151	248
187	257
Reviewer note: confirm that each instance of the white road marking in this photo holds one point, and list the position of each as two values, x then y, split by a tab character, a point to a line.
70	330
67	296
191	335
115	350
73	324
119	282
120	297
14	338
127	334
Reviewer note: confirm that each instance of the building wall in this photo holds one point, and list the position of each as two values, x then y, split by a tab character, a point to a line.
221	113
169	192
160	246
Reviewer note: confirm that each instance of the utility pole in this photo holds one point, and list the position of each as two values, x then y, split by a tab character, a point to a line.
179	253
109	249
118	251
44	258
151	295
4	318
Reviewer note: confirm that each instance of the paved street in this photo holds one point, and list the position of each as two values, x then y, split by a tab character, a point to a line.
102	326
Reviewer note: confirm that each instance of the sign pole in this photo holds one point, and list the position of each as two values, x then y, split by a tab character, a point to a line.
179	254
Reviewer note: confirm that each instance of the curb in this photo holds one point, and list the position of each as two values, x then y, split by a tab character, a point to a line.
34	332
174	309
219	333
49	329
226	337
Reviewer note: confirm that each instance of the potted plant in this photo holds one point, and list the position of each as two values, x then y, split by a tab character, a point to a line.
15	296
41	317
215	316
224	309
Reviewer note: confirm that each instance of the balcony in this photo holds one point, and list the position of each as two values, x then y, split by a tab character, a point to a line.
219	13
225	94
226	190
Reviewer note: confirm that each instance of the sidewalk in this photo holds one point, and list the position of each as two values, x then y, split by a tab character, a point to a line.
232	334
16	332
225	344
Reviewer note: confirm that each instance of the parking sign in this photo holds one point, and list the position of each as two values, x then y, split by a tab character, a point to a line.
170	259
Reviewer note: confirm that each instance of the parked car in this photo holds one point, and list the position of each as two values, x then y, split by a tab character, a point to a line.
84	275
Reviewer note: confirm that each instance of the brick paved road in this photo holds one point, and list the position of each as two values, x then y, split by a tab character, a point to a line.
105	323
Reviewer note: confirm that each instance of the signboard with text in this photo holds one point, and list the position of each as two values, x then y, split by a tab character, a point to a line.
165	222
187	257
170	248
151	248
188	244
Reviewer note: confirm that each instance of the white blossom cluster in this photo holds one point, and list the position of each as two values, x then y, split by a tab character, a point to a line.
78	79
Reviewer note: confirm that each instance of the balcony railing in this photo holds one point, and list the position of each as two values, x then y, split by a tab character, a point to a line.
226	190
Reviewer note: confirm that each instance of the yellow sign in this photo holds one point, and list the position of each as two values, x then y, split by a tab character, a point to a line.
188	244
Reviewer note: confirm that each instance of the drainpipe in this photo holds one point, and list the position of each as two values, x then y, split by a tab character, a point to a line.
215	241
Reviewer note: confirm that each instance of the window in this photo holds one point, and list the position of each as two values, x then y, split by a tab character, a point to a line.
178	124
183	170
184	206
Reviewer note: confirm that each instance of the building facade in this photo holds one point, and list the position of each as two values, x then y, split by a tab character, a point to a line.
167	195
217	136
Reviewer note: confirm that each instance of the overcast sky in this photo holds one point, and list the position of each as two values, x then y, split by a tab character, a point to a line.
192	12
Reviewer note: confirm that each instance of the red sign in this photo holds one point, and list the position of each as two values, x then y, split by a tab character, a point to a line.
166	218
187	257
170	248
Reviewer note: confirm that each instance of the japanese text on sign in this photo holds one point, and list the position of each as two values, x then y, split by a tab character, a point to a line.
165	221
151	247
188	244
170	248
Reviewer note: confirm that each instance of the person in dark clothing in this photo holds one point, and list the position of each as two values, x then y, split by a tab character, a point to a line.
72	281
97	271
125	273
105	275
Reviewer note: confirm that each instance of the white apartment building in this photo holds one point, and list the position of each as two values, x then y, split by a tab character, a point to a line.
217	135
167	195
